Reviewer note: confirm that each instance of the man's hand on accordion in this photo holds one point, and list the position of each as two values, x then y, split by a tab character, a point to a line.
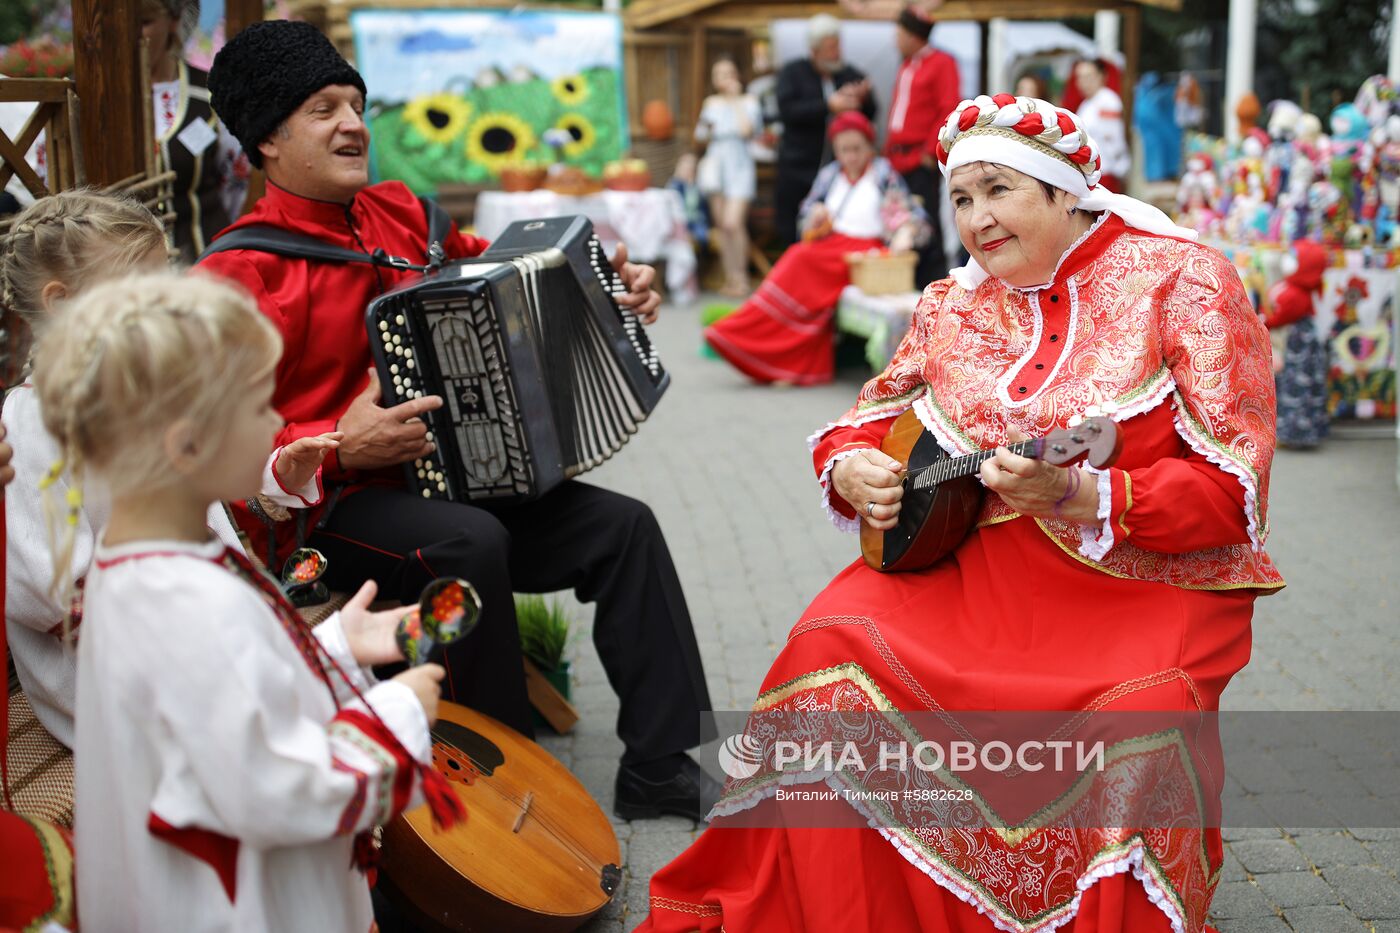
640	297
378	437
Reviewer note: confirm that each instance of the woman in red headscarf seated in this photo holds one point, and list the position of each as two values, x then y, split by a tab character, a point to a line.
1106	605
858	203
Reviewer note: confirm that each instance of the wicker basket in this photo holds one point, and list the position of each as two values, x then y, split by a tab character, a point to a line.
878	273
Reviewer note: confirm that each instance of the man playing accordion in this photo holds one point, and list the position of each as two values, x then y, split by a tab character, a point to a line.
297	107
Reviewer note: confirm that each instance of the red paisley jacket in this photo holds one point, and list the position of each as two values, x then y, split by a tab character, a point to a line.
1149	330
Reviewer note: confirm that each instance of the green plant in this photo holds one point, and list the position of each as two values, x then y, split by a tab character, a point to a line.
544	630
716	312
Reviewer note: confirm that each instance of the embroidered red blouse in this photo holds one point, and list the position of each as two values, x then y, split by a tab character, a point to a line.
1128	323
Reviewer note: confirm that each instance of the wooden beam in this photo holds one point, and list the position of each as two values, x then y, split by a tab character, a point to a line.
106	59
240	14
35	90
1020	9
647	14
1132	61
643	14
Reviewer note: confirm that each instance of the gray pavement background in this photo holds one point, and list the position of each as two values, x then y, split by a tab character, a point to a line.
724	465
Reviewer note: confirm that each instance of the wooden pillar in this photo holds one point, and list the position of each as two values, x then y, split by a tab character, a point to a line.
1132	59
240	14
106	60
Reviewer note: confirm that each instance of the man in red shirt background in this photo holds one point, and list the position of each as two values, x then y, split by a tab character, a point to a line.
925	92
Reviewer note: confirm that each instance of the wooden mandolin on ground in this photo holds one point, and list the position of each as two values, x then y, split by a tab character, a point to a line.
942	494
535	853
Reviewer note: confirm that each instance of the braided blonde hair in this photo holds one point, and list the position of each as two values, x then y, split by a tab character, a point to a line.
124	362
74	238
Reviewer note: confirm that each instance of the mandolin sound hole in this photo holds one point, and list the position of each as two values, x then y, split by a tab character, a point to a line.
485	756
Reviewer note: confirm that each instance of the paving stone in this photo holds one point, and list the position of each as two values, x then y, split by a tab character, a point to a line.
1261	856
1323	920
1269	924
1296	889
1234	899
1367	890
1325	851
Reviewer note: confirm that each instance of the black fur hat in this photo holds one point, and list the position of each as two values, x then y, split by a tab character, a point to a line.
914	24
266	71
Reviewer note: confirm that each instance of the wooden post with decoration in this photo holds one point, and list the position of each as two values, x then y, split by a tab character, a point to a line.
238	16
107	65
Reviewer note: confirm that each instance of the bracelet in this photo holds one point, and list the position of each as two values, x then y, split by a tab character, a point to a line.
1071	488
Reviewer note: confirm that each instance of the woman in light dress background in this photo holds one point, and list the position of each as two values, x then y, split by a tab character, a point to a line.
729	119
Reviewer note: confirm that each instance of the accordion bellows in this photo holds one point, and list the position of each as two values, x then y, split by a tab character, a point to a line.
543	375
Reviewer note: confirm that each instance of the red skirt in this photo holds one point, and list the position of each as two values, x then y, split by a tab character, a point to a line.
783	333
1008	622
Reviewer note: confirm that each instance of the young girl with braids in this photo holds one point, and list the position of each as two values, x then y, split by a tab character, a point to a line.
231	761
58	248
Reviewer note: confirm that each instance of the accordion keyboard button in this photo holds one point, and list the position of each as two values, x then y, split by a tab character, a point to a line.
383	325
394	368
418	463
429	436
442	487
427	494
399	320
408	359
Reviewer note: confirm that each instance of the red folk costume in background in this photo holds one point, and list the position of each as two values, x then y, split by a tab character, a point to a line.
784	333
1155	332
925	92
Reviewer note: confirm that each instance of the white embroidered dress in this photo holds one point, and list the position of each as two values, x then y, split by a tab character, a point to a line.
200	719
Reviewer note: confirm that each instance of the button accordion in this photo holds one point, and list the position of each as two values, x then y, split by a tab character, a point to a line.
543	375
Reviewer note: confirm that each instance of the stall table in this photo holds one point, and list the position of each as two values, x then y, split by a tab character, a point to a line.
881	320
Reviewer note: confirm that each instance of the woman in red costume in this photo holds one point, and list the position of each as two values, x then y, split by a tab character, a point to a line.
858	203
1128	588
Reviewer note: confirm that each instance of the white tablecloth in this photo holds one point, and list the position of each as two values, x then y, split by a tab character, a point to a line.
881	319
650	222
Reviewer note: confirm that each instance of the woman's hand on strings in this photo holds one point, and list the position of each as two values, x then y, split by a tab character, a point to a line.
873	483
1034	487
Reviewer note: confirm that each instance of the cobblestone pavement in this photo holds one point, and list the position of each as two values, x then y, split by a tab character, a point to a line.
724	465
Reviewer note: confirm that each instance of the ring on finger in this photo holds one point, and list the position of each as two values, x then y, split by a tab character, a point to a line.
870	509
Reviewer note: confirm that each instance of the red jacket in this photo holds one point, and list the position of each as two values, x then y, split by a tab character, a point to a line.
319	308
925	92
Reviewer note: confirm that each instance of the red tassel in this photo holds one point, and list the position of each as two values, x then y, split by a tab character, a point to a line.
365	855
443	803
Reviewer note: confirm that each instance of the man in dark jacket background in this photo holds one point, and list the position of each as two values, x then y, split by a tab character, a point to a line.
810	91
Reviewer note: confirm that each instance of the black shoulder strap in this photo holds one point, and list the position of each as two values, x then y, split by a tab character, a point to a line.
268	239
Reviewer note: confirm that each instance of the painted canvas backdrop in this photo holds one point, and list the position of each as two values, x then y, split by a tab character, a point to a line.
457	95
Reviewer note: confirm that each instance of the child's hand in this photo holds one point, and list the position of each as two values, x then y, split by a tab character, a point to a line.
425	681
299	460
370	635
7	472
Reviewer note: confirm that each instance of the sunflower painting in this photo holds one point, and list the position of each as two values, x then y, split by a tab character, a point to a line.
456	96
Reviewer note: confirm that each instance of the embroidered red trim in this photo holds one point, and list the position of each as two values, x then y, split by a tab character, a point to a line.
218	851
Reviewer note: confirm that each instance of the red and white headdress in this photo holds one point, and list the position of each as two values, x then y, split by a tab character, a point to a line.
1046	142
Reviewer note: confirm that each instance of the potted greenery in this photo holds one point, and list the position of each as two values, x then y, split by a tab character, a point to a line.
544	634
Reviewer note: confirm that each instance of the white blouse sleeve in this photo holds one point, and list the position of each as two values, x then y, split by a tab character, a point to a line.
244	753
273	489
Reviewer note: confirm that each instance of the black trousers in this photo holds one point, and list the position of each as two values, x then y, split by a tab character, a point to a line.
791	187
926	184
606	547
